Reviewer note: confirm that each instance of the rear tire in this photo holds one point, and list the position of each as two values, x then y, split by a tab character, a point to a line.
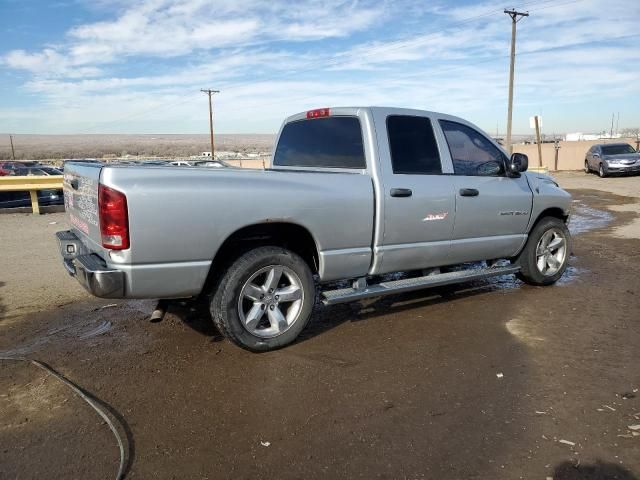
264	299
546	254
586	167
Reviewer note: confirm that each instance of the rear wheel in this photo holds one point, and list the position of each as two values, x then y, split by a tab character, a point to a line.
586	167
545	256
264	300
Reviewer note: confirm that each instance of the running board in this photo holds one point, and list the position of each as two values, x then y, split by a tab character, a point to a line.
332	297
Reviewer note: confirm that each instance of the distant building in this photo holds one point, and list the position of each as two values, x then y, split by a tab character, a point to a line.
578	136
201	156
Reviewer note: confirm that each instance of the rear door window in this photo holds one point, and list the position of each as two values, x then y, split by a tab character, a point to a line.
413	145
330	142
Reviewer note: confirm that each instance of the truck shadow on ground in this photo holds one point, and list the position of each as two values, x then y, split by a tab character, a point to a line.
196	314
595	471
326	318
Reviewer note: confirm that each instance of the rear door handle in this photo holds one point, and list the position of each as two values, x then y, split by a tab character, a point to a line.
469	192
401	192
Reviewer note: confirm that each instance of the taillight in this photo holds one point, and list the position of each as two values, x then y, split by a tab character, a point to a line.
320	112
114	219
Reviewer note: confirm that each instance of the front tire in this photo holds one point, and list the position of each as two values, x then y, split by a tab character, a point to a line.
586	167
601	171
264	300
546	254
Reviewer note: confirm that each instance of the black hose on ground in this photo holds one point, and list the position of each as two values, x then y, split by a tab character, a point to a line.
92	401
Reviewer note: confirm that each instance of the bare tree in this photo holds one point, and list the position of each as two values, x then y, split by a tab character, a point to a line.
632	132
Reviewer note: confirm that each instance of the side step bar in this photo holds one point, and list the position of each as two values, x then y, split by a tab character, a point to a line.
332	297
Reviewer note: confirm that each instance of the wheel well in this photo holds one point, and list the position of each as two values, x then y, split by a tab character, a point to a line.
550	212
287	235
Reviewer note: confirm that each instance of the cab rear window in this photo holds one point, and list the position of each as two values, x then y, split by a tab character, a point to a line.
330	142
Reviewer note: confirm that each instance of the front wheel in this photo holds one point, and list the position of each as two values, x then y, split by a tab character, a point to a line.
546	253
264	300
601	171
586	167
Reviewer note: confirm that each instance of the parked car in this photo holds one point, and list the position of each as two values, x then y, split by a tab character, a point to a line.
50	170
22	199
155	162
181	163
82	160
210	163
7	168
41	170
353	194
612	158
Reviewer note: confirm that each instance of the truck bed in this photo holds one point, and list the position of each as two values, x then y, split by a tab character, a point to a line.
183	215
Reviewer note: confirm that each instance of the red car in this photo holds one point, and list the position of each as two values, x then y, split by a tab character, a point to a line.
7	168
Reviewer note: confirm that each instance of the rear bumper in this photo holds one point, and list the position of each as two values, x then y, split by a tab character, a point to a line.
89	269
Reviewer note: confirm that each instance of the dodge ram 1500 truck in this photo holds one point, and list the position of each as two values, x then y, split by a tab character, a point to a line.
352	194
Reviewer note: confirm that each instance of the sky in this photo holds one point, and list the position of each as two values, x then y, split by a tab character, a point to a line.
118	66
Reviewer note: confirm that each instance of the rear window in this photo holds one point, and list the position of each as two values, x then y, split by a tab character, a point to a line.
413	146
333	142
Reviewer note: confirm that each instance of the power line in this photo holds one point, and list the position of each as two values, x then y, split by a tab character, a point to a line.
338	59
334	60
142	113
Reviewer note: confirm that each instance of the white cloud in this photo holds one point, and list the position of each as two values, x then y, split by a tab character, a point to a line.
48	62
253	52
162	28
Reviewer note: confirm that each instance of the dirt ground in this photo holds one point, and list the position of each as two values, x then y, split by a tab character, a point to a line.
494	379
39	147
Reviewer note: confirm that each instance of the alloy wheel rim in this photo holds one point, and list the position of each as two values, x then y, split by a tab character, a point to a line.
551	252
270	301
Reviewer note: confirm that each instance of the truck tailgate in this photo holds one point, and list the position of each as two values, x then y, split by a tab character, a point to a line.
80	186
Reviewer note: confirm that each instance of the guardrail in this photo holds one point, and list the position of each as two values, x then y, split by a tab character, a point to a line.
31	184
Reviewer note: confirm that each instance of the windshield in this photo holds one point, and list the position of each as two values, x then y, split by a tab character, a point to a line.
617	149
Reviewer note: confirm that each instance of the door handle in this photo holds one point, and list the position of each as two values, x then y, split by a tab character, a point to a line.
469	192
401	192
74	183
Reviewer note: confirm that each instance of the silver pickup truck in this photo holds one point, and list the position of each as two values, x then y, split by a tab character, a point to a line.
353	194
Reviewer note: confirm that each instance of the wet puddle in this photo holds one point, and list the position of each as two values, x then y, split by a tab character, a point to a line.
584	218
88	326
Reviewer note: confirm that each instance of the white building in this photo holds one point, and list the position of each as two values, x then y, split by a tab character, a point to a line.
578	136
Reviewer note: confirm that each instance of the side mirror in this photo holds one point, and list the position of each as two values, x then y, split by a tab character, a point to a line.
518	163
596	155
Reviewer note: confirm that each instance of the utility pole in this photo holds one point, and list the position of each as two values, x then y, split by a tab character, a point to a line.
613	115
13	154
537	123
210	93
514	19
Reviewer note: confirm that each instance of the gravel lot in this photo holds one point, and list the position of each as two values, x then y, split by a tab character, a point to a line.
487	380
